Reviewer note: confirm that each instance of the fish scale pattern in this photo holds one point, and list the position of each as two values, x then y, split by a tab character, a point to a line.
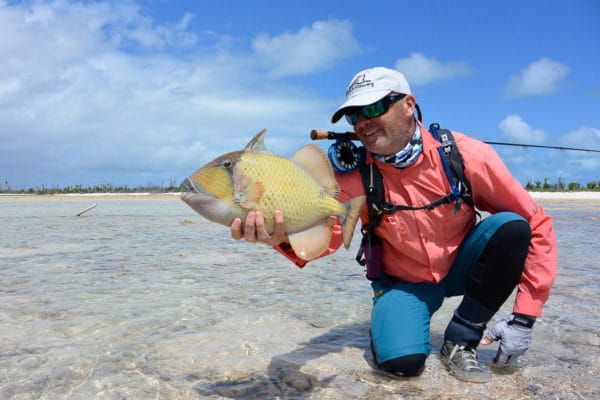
289	188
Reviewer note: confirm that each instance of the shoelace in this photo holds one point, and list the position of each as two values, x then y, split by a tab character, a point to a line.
469	357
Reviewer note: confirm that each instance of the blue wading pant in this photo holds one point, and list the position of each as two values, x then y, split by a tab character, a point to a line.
402	312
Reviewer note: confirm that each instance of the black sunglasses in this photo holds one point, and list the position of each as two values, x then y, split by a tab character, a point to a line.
374	110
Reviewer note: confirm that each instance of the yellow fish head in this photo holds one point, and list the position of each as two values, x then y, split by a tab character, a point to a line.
209	190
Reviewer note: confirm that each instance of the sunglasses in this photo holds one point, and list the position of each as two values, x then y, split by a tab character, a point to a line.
374	110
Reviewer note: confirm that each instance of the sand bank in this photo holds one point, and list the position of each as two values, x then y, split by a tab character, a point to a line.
566	197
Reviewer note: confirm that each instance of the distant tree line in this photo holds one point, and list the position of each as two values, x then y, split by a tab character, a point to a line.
104	188
537	186
560	185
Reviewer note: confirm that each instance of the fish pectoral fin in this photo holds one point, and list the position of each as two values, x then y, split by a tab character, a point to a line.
251	195
313	242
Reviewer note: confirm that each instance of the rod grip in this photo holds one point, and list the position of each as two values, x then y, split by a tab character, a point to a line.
317	134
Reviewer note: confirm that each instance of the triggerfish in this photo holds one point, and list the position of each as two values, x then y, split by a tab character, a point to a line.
303	187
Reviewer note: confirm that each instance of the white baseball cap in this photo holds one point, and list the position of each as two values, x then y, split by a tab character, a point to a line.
371	85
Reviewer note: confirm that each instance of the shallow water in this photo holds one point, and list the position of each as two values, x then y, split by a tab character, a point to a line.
140	299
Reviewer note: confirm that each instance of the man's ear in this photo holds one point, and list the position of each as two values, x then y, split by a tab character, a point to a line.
410	103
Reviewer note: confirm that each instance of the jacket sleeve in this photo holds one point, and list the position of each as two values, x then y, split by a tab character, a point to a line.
494	190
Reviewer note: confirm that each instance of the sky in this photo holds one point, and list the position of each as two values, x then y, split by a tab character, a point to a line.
143	93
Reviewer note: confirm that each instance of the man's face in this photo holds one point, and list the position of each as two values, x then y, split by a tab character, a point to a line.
390	132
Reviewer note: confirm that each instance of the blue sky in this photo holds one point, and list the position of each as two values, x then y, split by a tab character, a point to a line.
145	92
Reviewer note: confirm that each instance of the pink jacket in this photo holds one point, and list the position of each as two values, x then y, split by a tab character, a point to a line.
420	246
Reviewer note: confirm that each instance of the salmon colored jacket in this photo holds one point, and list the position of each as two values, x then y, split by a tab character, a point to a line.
420	246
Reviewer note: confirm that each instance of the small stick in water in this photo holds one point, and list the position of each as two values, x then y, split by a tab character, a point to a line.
86	209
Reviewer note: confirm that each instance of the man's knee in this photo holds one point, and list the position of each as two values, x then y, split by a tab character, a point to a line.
500	266
513	234
409	365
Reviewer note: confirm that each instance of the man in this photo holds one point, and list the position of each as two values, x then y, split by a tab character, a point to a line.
435	253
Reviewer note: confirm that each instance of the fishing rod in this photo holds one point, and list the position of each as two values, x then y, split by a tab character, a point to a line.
542	147
316	134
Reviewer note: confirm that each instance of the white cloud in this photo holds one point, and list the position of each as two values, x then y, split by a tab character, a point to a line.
537	79
421	70
553	163
514	129
584	136
148	35
308	50
573	164
587	138
96	92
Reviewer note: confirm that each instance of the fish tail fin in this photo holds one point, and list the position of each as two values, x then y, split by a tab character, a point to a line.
349	220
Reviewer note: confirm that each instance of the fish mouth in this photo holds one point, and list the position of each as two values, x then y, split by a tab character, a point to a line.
207	204
194	195
189	186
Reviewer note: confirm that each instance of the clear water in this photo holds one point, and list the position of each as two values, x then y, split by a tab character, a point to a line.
143	299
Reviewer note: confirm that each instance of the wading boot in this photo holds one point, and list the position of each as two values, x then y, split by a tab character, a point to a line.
462	363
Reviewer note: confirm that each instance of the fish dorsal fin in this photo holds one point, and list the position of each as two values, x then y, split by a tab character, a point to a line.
314	160
313	242
257	144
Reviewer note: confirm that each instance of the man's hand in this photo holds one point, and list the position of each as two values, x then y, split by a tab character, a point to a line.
255	231
515	335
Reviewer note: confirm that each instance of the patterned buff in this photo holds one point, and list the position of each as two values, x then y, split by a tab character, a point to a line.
407	155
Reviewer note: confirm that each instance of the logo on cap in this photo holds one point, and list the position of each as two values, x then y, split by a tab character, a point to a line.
361	81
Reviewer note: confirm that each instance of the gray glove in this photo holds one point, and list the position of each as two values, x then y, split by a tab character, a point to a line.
515	334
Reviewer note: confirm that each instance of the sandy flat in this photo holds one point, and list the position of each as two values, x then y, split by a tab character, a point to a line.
594	196
136	302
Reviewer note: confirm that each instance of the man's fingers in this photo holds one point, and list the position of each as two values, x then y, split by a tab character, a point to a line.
279	229
236	229
250	227
254	229
486	340
261	231
496	333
